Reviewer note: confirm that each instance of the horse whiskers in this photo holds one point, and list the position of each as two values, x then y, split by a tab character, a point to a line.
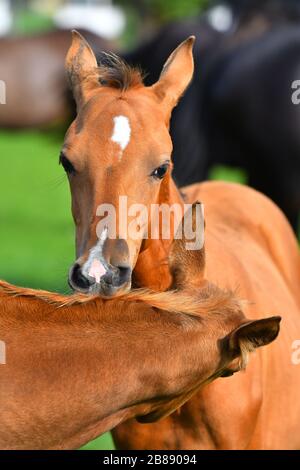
56	182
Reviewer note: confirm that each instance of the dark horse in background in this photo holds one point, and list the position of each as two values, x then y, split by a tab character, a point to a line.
238	110
32	68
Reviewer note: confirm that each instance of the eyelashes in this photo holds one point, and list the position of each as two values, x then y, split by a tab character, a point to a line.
157	174
161	171
66	164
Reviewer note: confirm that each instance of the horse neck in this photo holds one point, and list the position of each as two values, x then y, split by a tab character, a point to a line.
64	366
152	269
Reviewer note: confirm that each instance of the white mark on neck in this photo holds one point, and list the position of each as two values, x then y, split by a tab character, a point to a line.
121	132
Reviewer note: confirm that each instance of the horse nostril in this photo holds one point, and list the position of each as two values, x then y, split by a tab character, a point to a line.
77	279
124	274
116	253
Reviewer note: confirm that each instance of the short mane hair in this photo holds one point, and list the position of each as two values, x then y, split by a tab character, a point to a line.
114	72
212	301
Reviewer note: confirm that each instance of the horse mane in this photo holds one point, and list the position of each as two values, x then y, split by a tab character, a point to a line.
212	300
114	72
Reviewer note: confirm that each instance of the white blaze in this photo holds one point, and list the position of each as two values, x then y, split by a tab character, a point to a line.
97	270
95	266
121	132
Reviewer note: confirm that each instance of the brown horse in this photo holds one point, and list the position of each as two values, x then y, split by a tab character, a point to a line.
32	68
119	144
76	366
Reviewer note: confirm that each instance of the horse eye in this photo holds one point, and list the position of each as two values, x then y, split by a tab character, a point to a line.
227	373
66	164
160	172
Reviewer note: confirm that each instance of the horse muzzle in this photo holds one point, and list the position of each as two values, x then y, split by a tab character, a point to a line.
113	282
106	270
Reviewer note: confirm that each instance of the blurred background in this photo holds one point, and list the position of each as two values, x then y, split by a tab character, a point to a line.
239	120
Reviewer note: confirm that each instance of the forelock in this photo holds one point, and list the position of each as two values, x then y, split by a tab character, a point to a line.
114	72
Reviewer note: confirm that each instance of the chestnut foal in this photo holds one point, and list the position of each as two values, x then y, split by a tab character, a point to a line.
119	145
78	366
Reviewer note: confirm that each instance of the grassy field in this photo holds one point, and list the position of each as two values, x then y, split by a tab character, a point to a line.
36	228
36	236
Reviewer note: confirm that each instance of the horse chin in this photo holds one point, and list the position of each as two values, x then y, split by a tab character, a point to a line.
108	291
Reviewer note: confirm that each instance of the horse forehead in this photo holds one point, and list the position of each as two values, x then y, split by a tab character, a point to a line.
130	123
124	127
136	108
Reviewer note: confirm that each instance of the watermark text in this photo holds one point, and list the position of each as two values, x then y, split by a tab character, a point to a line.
157	222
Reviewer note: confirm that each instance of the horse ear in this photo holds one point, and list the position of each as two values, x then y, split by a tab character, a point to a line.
176	75
81	68
187	253
249	336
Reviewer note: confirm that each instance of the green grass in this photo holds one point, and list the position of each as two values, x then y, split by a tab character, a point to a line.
37	234
30	22
104	442
223	173
37	241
